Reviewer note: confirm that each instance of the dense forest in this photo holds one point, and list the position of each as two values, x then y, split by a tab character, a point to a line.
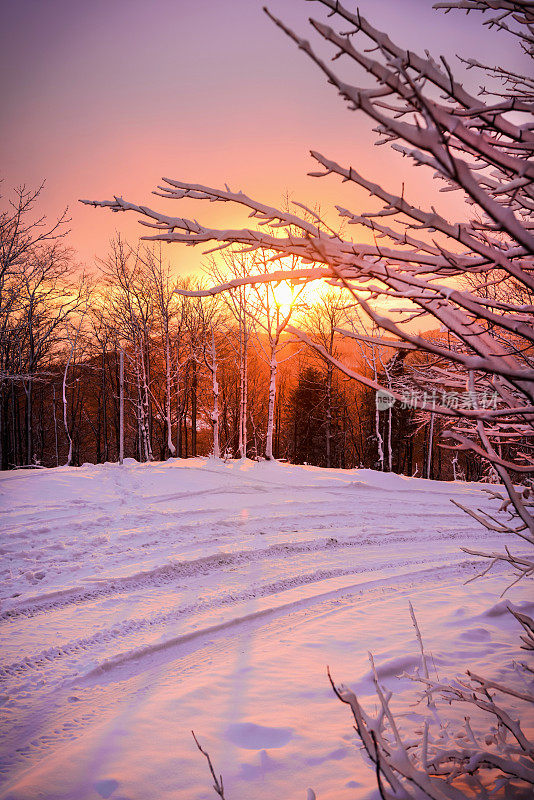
201	375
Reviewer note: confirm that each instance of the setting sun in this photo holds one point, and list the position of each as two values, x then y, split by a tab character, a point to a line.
284	295
267	400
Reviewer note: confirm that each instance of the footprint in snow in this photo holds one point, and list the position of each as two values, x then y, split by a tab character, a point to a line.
105	788
258	737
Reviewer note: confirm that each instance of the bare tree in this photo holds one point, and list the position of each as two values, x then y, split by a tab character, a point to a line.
21	234
159	287
270	307
476	146
133	312
237	301
72	335
472	146
38	294
209	319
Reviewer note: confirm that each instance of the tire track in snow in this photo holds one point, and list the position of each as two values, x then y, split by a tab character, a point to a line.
179	571
329	520
76	709
155	655
128	627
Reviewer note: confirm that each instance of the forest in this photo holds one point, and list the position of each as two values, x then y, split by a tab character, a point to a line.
197	372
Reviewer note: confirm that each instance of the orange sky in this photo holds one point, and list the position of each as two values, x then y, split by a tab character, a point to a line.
105	97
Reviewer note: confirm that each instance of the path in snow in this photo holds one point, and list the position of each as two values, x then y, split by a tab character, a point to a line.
143	601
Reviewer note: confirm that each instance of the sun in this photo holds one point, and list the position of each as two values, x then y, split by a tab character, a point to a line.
284	296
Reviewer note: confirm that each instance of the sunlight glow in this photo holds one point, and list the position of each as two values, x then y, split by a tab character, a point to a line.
284	296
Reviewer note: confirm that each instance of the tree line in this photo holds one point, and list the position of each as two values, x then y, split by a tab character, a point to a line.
211	375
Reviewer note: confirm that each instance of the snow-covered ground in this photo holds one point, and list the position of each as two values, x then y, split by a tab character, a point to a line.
143	601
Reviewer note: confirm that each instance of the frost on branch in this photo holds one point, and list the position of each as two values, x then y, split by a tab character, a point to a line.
486	753
472	278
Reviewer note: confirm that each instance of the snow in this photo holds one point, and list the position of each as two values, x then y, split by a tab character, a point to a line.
143	601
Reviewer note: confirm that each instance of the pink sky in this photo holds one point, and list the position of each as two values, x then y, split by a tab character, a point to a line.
105	97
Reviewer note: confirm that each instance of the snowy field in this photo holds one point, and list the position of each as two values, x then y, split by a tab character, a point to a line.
141	602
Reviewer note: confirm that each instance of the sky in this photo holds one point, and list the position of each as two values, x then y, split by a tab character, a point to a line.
106	97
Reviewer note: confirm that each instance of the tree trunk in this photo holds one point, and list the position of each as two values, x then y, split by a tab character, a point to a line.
104	409
145	406
430	443
65	420
194	386
55	426
379	439
121	407
244	413
179	406
170	446
29	417
270	415
390	450
242	417
215	412
1	430
328	423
